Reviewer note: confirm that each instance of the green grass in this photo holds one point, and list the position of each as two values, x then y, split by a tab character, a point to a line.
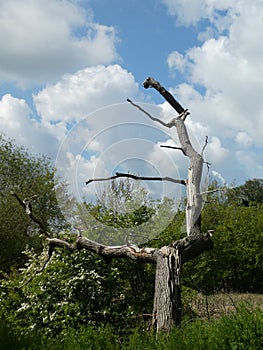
241	330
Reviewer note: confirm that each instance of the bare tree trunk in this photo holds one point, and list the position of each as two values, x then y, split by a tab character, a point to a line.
167	299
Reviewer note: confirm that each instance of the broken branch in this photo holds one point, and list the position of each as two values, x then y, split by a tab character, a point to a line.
124	251
150	82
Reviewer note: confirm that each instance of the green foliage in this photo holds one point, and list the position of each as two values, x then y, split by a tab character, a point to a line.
77	289
235	263
250	192
242	330
118	214
26	175
125	213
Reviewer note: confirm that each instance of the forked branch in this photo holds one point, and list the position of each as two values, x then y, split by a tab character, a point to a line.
172	123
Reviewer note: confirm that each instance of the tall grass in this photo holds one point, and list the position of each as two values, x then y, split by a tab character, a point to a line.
242	330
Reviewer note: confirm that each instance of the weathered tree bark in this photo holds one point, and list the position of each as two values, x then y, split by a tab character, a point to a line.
188	248
168	259
167	300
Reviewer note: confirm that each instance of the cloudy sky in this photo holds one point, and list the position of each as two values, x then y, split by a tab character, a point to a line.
68	66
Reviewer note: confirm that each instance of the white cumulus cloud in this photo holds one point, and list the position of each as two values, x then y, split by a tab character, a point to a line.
189	12
76	95
16	122
40	40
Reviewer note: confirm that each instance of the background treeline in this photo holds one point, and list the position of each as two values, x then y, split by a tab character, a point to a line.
80	292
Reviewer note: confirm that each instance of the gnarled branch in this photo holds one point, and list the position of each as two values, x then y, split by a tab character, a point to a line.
189	247
194	200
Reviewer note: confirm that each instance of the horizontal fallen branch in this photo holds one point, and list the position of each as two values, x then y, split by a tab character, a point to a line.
189	247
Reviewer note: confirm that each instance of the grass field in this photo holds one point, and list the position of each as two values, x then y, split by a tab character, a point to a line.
217	305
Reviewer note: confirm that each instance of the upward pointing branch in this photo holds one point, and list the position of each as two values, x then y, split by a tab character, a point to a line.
168	125
181	116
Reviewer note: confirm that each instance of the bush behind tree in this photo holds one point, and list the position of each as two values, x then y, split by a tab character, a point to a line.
235	263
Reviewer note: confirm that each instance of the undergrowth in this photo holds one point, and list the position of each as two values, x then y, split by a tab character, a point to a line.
241	330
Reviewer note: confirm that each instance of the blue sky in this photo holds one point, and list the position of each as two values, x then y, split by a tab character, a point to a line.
68	63
147	35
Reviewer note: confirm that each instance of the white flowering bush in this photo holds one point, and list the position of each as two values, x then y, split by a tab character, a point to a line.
76	288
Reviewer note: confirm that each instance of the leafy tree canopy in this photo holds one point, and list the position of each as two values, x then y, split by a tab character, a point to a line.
30	177
250	192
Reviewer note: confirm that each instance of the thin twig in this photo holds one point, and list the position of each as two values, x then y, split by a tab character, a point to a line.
36	273
174	147
208	165
206	142
168	125
212	191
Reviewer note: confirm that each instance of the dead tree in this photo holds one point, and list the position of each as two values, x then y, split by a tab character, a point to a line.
168	259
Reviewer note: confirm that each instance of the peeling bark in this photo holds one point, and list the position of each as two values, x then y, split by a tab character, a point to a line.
188	248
